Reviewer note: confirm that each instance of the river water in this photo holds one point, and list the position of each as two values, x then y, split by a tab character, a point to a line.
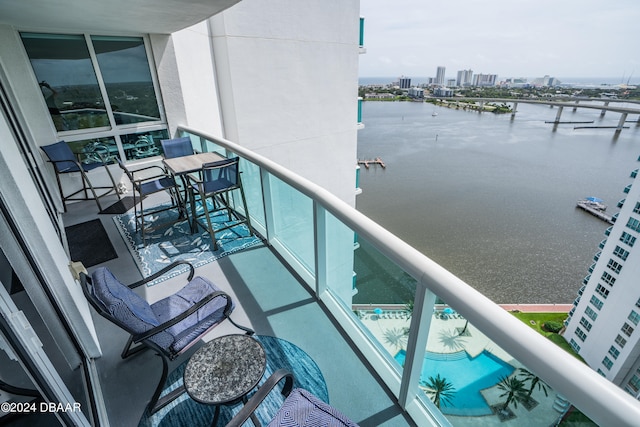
493	199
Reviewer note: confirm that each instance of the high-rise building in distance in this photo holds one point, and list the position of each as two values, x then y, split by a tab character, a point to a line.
404	82
464	78
440	76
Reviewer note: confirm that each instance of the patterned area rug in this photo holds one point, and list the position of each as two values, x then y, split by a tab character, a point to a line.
280	354
173	241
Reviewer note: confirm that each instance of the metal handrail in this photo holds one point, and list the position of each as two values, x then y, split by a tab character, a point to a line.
601	400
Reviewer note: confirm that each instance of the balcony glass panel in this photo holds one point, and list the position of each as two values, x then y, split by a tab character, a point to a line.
383	298
293	227
336	244
468	376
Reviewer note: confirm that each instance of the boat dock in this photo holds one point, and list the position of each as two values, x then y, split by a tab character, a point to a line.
595	212
555	122
376	161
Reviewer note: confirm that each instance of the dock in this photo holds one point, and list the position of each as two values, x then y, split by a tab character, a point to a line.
376	161
595	212
555	122
601	127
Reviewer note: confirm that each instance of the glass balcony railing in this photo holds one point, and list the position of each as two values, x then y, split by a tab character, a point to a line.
424	331
361	32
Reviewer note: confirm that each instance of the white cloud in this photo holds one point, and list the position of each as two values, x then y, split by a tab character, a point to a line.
569	38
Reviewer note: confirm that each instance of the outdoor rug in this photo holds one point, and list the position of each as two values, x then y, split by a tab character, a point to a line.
174	242
280	354
89	243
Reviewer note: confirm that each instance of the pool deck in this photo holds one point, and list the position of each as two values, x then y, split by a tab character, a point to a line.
445	337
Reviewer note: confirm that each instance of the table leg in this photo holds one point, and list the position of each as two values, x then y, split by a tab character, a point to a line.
216	415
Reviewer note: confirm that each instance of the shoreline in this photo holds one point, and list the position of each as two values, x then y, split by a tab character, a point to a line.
528	308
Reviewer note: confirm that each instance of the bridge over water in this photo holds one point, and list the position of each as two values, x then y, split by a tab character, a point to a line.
573	103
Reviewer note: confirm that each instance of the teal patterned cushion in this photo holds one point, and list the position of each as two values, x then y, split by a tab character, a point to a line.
303	409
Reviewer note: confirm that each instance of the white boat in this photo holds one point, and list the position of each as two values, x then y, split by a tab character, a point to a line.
434	114
594	203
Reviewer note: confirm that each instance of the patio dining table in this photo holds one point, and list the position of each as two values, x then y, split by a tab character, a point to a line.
180	166
184	165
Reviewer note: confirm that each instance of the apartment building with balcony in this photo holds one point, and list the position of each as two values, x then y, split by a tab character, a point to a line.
602	326
114	78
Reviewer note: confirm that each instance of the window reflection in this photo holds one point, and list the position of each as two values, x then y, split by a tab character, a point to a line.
125	70
62	65
95	150
142	145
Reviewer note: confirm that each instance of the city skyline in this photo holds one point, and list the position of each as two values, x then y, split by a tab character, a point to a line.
523	39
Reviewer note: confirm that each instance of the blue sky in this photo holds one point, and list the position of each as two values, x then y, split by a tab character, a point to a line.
511	38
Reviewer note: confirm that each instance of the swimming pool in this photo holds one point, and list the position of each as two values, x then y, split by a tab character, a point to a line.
467	375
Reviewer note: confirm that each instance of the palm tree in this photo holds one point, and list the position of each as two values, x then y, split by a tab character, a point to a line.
408	306
534	381
514	390
396	337
440	390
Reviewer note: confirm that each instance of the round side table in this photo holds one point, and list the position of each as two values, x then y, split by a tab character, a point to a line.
224	370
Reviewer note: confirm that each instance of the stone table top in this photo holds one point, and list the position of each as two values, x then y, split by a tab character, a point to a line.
225	369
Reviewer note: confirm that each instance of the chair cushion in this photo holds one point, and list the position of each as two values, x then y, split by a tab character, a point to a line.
160	184
303	409
191	328
130	310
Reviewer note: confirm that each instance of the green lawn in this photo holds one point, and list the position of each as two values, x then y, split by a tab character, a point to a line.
536	320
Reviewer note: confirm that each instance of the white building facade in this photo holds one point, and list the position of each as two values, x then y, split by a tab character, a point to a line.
258	74
603	325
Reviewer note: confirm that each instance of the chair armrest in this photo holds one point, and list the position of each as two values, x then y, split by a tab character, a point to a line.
164	171
252	404
163	271
73	162
169	323
194	180
162	174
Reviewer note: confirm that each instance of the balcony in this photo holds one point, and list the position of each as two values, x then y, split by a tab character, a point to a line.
299	287
361	34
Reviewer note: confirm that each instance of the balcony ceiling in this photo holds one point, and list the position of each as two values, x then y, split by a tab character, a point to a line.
109	16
